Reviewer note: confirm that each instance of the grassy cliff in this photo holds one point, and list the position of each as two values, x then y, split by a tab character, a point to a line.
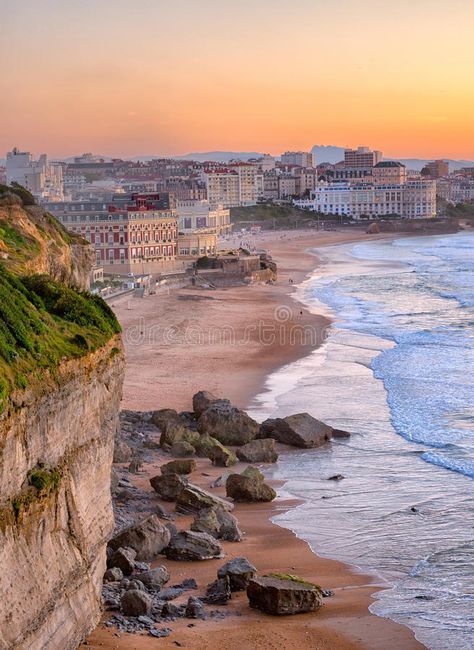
43	319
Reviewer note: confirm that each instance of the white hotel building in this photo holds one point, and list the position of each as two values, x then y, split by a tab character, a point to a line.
411	200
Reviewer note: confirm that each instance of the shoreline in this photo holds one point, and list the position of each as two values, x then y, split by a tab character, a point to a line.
328	628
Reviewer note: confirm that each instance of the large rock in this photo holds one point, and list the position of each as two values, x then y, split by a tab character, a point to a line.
192	499
154	578
258	451
136	602
168	486
218	592
182	449
205	445
300	430
113	575
279	597
249	487
181	466
123	559
148	538
201	401
206	522
228	424
172	428
239	571
229	529
221	456
188	545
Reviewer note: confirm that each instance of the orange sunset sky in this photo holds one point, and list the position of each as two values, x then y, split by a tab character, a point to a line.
130	77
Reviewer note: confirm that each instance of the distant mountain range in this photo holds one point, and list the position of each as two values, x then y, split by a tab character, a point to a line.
321	153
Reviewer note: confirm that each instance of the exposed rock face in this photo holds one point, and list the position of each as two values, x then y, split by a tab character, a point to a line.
148	538
300	430
201	401
238	571
228	424
192	499
124	559
188	545
249	487
206	522
279	597
258	451
53	540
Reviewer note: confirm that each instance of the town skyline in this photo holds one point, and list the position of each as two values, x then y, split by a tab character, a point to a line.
150	77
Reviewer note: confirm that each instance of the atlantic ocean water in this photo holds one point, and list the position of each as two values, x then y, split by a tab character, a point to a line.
397	370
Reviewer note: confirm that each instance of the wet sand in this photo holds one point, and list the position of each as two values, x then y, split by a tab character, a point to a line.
165	373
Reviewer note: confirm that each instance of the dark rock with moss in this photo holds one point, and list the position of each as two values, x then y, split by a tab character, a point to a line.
300	430
182	466
201	401
189	546
238	571
228	424
258	451
192	499
229	529
182	449
279	596
221	456
148	538
168	486
206	522
172	428
249	487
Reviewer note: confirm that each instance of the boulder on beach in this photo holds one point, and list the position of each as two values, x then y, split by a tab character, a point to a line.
154	578
228	424
201	401
217	522
249	487
190	546
277	596
238	571
123	559
113	575
218	592
168	486
192	499
258	451
220	456
172	428
148	538
122	452
181	466
182	449
299	430
136	602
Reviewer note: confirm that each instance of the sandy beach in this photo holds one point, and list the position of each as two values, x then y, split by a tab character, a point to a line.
227	341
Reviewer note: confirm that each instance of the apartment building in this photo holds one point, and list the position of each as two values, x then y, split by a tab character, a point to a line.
133	234
413	199
436	169
389	172
196	215
222	188
361	157
299	158
42	178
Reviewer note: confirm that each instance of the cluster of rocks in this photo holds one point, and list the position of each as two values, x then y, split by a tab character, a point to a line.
137	592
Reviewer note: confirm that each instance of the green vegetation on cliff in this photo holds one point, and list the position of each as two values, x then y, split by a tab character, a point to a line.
43	322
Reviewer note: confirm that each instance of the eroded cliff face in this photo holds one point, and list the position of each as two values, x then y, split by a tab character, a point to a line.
61	373
53	540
